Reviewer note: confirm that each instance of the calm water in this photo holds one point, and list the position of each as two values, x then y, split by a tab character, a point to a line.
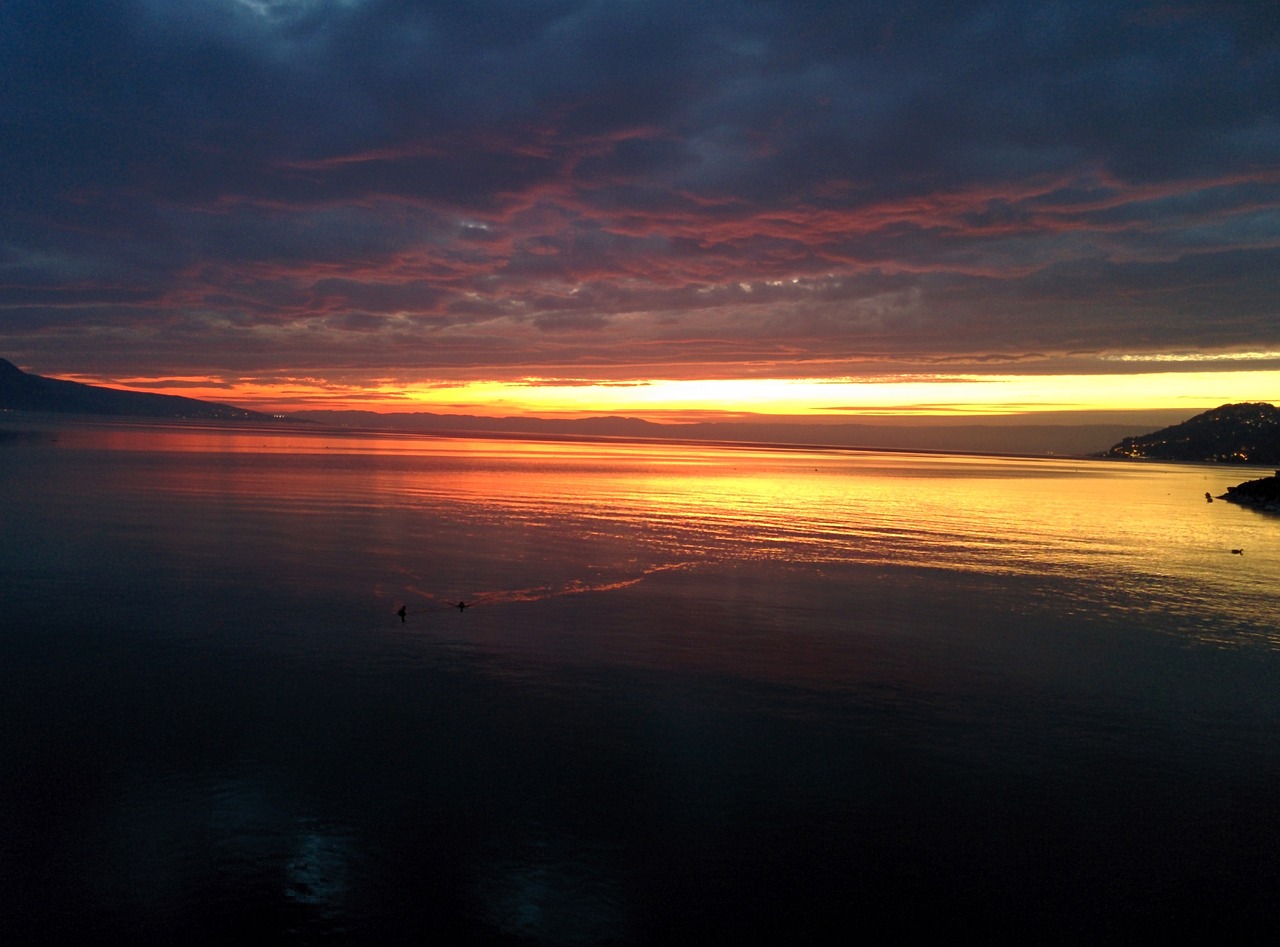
703	693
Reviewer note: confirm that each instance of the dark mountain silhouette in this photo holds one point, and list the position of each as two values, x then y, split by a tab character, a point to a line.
1247	433
22	391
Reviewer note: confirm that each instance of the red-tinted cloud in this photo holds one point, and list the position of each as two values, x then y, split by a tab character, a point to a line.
577	189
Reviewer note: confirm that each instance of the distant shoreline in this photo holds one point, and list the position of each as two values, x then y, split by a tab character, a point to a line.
309	427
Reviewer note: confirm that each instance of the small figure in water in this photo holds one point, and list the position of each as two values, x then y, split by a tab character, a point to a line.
401	613
1208	497
1237	552
461	605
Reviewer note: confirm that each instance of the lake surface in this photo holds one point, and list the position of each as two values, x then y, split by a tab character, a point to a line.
700	694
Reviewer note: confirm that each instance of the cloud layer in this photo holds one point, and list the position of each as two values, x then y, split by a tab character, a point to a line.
401	191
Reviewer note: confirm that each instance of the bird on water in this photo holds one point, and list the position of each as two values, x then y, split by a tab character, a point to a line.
460	605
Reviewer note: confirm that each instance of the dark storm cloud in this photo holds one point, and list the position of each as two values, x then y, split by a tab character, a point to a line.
232	184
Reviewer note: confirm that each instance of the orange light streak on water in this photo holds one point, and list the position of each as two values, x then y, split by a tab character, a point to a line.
1136	533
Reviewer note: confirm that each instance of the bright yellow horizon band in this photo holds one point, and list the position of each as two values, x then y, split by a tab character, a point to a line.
818	398
955	395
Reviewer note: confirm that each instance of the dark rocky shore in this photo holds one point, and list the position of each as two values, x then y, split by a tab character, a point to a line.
1261	494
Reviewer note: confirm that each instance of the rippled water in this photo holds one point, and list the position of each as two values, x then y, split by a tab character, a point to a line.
701	692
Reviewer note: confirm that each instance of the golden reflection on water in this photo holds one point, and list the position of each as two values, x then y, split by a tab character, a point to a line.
1132	532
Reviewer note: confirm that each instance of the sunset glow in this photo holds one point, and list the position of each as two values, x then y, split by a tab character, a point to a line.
843	398
817	399
568	208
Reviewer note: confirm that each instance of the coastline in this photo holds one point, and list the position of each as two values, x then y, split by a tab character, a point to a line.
1262	494
32	423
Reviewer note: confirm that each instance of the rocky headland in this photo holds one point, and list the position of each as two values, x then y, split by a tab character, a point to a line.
1261	494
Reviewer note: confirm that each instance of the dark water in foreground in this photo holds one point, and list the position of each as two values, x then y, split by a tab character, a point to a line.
703	694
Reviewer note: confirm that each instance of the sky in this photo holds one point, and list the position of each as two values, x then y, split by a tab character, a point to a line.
668	208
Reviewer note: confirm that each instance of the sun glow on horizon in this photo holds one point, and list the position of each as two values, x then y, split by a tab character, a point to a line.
958	395
828	398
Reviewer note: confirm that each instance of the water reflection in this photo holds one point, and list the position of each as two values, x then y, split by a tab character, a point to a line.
183	849
704	693
428	514
319	871
553	890
572	517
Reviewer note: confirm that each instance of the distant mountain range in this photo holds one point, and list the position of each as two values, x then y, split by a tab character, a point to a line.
1247	433
1233	433
1064	439
22	391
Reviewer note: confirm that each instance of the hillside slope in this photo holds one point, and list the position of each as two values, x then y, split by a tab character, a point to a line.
1247	433
23	391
